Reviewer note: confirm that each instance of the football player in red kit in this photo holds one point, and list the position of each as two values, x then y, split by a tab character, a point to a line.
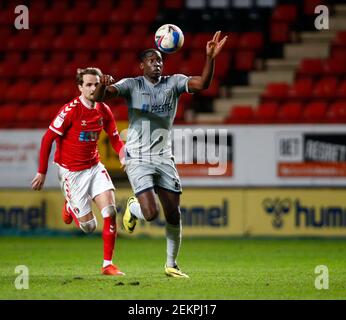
82	176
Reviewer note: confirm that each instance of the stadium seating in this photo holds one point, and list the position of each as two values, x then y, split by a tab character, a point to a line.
39	65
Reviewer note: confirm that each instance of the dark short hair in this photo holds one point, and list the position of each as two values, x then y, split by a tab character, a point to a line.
146	53
89	70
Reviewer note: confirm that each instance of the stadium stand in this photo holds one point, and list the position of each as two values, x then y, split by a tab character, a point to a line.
275	67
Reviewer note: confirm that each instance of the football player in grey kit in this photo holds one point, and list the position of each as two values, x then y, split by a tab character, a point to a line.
152	101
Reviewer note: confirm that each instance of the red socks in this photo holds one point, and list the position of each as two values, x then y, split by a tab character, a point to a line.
108	235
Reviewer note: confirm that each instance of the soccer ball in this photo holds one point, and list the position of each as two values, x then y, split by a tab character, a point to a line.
169	38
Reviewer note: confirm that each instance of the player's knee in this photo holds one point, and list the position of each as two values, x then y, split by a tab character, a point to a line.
109	211
150	213
89	226
174	217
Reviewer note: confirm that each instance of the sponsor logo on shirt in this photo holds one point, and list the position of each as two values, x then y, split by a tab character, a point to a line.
87	136
162	108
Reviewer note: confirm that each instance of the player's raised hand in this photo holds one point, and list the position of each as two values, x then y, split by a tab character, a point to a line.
214	46
38	182
107	80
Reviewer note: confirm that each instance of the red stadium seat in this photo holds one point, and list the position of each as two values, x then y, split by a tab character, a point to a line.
64	42
59	58
47	31
339	54
8	115
222	65
325	88
86	42
109	42
173	4
93	30
64	91
74	16
121	16
83	57
290	112
53	16
244	60
213	90
83	5
310	67
341	91
12	58
132	42
337	112
240	114
144	15
40	43
333	67
27	116
280	32
8	70
199	41
285	12
266	112
18	91
251	40
70	30
21	41
41	91
99	15
232	41
50	70
277	90
301	89
310	5
172	62
315	112
47	114
340	39
29	70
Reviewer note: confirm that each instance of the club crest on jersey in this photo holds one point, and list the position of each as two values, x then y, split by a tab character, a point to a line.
84	123
101	122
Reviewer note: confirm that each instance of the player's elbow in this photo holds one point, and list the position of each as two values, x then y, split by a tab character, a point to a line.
200	87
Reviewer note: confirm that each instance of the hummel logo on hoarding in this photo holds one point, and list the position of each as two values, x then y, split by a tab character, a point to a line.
277	208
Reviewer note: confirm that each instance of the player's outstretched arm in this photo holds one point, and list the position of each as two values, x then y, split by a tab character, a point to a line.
214	46
46	146
104	89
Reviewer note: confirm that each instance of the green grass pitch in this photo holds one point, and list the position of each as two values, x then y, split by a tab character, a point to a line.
69	268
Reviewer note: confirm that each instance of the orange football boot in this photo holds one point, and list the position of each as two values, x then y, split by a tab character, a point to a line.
112	270
66	216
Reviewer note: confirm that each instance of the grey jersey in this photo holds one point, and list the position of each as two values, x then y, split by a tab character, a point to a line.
152	108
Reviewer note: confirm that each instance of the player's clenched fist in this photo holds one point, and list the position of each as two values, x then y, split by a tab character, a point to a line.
107	80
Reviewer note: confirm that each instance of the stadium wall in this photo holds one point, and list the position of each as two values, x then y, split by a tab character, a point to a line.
205	212
211	156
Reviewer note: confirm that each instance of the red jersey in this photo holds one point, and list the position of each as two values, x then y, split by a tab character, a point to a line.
78	127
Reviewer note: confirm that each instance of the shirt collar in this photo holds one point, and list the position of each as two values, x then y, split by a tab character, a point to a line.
153	84
86	103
